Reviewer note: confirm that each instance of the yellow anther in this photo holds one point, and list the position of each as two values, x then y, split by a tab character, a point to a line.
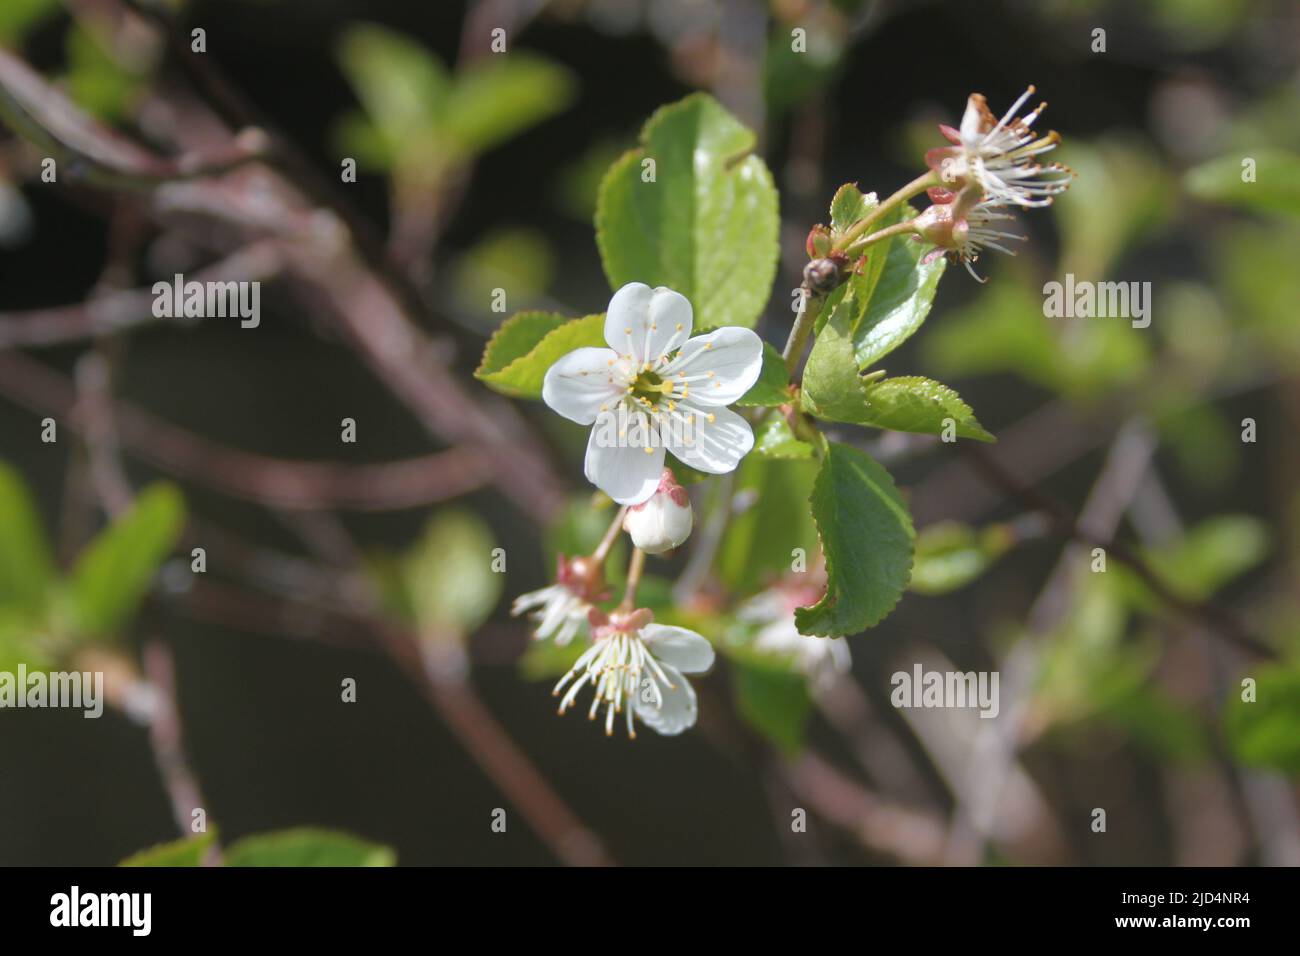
712	418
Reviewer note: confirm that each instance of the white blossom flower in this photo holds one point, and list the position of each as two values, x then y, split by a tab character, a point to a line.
820	659
999	155
560	610
637	667
656	388
663	521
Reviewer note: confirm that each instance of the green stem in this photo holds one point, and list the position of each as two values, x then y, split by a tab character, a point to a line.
918	185
809	306
897	229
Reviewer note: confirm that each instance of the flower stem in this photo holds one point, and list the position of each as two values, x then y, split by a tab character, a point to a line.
803	326
607	542
634	569
918	185
897	229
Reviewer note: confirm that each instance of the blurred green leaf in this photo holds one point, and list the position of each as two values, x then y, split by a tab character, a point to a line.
580	180
1121	194
402	87
518	355
308	847
449	577
759	542
1004	329
19	16
950	555
99	82
775	702
706	226
1255	265
1266	732
188	851
501	96
867	539
1275	189
772	387
774	439
26	566
116	570
546	660
424	120
791	77
1202	560
21	641
518	261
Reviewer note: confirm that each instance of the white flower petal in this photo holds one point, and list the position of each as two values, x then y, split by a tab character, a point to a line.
683	649
676	712
647	323
626	473
715	446
581	382
718	368
972	121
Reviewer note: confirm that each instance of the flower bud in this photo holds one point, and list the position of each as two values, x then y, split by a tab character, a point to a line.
819	242
663	521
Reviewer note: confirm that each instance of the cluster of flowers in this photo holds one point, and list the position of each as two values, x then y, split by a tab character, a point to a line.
990	167
657	389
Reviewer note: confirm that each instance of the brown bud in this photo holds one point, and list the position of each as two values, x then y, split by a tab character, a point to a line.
823	275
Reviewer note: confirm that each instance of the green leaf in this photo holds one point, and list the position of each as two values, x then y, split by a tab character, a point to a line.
759	542
115	571
188	851
1203	559
401	85
98	80
916	404
900	300
1276	188
26	566
774	439
950	555
518	355
501	96
516	259
1266	732
19	16
867	539
546	660
773	385
848	205
775	702
308	847
832	388
706	226
449	575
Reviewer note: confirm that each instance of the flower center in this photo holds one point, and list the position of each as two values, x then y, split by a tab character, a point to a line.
648	388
